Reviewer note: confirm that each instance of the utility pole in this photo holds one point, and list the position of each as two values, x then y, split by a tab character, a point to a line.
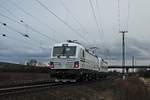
123	50
133	62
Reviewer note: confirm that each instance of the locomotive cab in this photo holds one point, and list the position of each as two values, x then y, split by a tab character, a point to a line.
65	56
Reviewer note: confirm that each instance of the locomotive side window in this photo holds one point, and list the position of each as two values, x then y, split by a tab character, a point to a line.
83	54
64	51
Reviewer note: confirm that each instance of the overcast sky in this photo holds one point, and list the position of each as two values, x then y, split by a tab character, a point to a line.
75	21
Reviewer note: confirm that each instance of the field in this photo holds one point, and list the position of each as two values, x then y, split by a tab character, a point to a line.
132	88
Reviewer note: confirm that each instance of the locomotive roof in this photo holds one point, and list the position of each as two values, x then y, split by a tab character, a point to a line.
69	44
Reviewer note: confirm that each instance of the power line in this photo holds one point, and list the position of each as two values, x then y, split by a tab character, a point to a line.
29	27
74	17
17	39
13	38
102	30
34	30
119	24
23	34
128	16
94	15
8	18
60	19
32	16
122	27
27	13
9	11
99	13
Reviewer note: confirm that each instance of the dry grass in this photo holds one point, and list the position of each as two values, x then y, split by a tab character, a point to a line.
130	89
92	91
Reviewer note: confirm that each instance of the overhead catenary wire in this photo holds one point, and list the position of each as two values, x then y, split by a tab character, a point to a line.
28	26
73	16
116	23
7	10
119	24
125	25
102	30
100	16
94	15
33	17
25	44
34	30
21	33
61	20
96	21
11	28
128	16
20	20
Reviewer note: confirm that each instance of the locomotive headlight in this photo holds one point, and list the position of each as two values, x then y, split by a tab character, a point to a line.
76	64
51	64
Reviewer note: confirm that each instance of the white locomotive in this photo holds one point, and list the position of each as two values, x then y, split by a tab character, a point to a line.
70	60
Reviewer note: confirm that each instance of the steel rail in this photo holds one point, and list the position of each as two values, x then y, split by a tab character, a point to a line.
19	89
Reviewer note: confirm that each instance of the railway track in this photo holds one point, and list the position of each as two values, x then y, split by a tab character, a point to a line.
41	86
38	87
27	88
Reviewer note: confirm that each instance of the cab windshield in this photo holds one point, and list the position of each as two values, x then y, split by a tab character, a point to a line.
64	51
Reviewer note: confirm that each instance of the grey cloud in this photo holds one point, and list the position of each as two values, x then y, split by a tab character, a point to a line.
134	47
139	22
